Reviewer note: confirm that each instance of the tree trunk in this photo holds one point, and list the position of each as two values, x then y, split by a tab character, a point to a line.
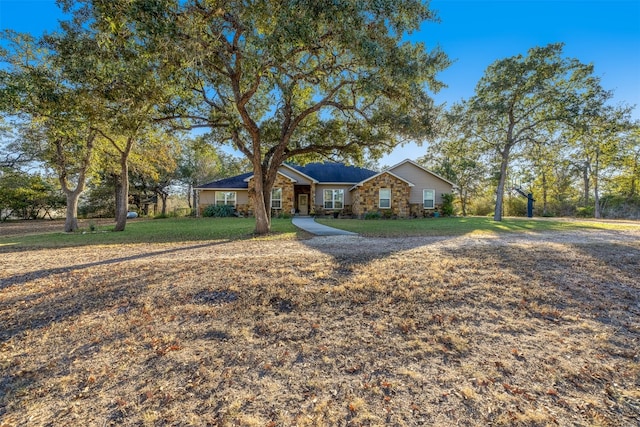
596	195
263	215
190	196
195	208
263	180
71	219
122	196
263	218
544	195
163	197
116	192
634	173
463	202
585	182
497	215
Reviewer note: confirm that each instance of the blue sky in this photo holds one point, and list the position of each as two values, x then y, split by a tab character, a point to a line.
475	33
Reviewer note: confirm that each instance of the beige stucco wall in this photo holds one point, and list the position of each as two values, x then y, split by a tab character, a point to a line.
319	195
299	178
207	197
421	180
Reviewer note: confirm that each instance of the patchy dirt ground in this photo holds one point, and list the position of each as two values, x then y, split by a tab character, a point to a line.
517	329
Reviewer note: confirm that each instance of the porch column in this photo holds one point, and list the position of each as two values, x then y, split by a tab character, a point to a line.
312	198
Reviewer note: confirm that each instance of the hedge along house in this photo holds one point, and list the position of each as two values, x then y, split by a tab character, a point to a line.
404	190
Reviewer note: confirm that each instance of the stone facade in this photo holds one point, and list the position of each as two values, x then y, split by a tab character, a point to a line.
366	197
418	211
405	181
242	209
287	196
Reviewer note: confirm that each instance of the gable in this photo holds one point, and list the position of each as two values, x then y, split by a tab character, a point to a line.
296	175
415	173
422	179
386	172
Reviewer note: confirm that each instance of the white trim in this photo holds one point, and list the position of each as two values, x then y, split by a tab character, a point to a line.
235	198
421	167
434	197
337	183
333	200
272	199
221	188
380	198
247	179
361	183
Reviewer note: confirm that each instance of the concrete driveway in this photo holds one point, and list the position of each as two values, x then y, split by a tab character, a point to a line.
309	225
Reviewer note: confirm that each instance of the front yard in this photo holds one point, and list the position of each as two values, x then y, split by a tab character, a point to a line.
526	328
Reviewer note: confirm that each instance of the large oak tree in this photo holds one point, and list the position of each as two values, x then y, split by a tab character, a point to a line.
519	97
289	78
54	117
112	63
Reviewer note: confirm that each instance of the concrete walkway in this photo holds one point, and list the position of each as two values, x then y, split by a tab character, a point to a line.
309	225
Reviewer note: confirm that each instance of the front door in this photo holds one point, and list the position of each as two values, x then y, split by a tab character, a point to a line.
303	204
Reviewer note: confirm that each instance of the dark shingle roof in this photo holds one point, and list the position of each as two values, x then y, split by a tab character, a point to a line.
334	172
321	172
237	181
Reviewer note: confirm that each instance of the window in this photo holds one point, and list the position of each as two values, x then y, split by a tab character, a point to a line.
276	198
333	199
385	198
225	198
429	199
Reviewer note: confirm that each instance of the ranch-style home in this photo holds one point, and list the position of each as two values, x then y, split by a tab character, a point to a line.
404	190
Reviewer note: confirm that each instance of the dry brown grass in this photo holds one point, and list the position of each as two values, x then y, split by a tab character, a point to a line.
25	228
527	329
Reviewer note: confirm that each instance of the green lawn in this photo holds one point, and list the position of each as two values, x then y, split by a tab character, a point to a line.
199	229
154	231
459	226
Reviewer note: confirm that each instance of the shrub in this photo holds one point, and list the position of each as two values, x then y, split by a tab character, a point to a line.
447	204
515	206
166	215
180	212
482	206
585	212
218	211
618	206
372	215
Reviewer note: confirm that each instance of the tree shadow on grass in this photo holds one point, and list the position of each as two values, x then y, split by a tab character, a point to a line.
239	322
40	274
585	298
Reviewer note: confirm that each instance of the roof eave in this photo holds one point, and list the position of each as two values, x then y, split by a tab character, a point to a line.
247	179
221	188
